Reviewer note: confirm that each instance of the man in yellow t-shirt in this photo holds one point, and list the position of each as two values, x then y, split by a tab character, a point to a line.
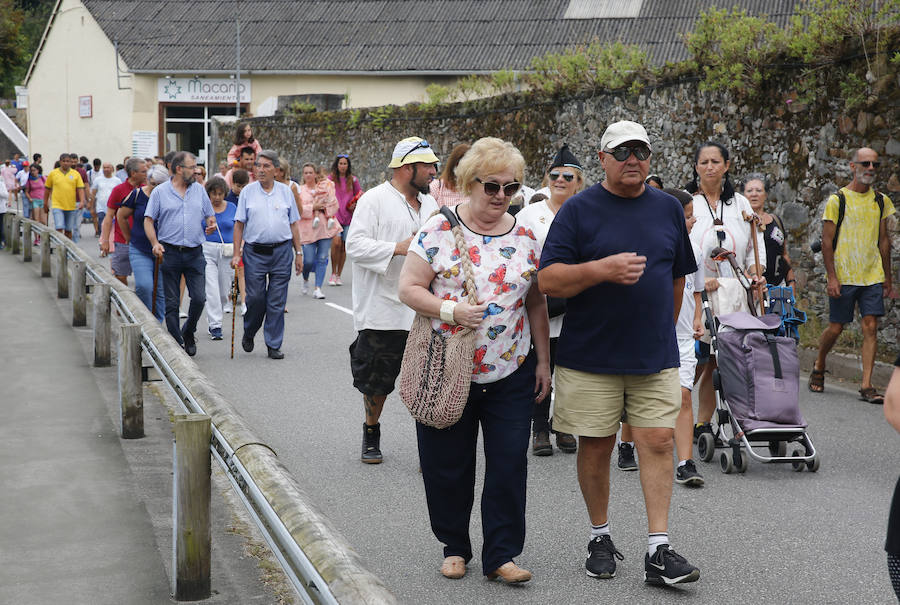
67	188
858	268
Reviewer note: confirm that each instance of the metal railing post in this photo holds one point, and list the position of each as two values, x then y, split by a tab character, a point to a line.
190	499
131	393
102	320
62	272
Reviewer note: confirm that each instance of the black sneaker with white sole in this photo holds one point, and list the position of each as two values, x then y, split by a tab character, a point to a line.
626	460
687	474
602	555
668	567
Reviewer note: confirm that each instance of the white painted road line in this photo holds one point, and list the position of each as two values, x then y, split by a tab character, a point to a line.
340	308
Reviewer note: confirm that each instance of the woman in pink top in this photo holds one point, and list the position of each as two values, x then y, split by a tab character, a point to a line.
443	190
34	191
348	190
318	207
243	137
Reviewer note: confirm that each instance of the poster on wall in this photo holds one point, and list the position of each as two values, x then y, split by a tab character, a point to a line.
144	143
201	90
85	107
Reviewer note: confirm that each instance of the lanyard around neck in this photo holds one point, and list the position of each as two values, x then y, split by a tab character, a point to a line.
712	213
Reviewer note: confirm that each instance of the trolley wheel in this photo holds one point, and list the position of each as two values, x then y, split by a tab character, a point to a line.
741	462
725	461
778	448
814	465
798	465
706	447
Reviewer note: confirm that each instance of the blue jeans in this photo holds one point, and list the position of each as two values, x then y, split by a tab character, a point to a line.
66	220
267	277
191	264
315	256
142	267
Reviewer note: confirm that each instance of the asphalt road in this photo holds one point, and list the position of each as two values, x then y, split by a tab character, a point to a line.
770	535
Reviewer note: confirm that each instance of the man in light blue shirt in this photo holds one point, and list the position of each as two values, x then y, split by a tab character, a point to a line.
174	224
266	223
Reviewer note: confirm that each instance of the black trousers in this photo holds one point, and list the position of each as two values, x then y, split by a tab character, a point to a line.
447	457
540	416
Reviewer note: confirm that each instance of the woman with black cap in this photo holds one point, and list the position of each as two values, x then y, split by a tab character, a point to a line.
565	179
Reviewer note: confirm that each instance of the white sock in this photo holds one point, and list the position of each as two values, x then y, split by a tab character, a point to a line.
629	443
682	463
654	540
599	530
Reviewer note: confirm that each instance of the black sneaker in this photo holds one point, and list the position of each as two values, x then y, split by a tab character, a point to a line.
371	446
602	555
540	445
626	458
215	333
700	428
668	567
687	474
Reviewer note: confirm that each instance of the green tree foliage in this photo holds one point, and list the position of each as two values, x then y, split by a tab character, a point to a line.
593	67
22	23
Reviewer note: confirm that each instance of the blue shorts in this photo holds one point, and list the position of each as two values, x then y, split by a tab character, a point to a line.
67	220
870	299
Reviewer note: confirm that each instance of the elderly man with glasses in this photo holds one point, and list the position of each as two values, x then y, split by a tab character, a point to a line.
174	224
619	252
267	237
384	223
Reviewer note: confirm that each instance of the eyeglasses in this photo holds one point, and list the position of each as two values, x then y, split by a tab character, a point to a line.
868	164
641	152
568	176
420	145
493	188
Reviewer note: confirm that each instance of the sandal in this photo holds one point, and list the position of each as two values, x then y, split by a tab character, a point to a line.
871	395
817	381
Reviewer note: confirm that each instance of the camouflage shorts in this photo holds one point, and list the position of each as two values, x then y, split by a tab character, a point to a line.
375	358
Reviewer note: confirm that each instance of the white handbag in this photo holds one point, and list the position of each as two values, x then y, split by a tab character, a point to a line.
227	249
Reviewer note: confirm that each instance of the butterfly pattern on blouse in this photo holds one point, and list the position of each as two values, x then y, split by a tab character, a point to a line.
478	366
522	231
430	253
475	256
498	277
507	252
494	331
509	353
528	274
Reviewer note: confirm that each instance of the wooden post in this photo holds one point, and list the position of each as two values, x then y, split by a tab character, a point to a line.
45	255
7	228
191	496
16	221
62	272
101	326
26	243
131	394
79	293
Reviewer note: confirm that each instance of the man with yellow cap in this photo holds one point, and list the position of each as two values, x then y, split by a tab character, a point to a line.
384	223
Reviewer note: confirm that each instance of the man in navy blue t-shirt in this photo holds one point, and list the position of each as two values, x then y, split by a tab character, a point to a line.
619	252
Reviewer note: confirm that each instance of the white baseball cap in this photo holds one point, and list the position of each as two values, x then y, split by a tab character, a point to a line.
622	132
412	150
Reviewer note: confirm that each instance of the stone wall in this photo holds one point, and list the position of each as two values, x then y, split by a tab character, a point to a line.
804	149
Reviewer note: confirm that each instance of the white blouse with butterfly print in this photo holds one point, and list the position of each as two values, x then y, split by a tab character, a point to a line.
505	266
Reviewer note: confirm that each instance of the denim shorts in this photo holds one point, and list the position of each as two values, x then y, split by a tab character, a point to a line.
869	298
67	220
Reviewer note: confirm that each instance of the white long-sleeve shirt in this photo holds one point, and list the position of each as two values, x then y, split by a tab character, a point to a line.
4	198
736	230
382	218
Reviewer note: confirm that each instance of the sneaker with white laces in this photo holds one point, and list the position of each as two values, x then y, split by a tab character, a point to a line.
668	567
337	281
332	281
626	460
317	293
602	555
687	474
304	289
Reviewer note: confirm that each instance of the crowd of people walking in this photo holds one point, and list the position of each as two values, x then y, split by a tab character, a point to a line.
554	272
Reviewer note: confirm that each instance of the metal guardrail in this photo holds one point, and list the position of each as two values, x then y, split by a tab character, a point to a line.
329	571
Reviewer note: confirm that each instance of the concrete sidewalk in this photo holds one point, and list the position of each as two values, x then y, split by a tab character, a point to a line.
80	524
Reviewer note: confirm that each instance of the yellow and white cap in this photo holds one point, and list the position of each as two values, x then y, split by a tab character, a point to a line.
412	150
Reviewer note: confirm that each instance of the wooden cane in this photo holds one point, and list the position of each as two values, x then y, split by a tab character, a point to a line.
234	296
752	219
156	262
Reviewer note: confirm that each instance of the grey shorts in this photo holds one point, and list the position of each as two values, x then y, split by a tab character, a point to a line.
119	262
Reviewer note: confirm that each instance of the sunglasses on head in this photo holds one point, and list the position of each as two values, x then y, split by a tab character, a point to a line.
493	188
621	153
868	164
568	176
344	155
419	145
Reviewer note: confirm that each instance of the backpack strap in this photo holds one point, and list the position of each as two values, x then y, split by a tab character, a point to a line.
842	209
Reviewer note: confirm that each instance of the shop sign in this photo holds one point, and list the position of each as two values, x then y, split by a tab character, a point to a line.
201	90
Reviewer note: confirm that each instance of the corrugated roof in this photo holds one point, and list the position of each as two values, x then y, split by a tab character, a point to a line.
384	35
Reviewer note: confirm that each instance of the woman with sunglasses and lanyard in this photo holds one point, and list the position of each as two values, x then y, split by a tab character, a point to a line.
507	376
564	179
720	211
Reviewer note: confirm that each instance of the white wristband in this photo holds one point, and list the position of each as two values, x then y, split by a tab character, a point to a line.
447	311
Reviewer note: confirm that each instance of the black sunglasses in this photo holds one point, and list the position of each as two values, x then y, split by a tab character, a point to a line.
568	176
419	145
641	152
868	164
492	188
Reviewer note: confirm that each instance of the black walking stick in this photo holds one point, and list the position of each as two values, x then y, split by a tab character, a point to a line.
156	262
234	297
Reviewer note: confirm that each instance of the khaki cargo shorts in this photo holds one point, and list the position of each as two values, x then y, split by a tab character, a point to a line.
591	405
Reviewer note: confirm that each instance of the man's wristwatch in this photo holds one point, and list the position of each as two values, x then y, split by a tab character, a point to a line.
298	252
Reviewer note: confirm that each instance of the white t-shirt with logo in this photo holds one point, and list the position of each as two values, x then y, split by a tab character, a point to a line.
103	186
